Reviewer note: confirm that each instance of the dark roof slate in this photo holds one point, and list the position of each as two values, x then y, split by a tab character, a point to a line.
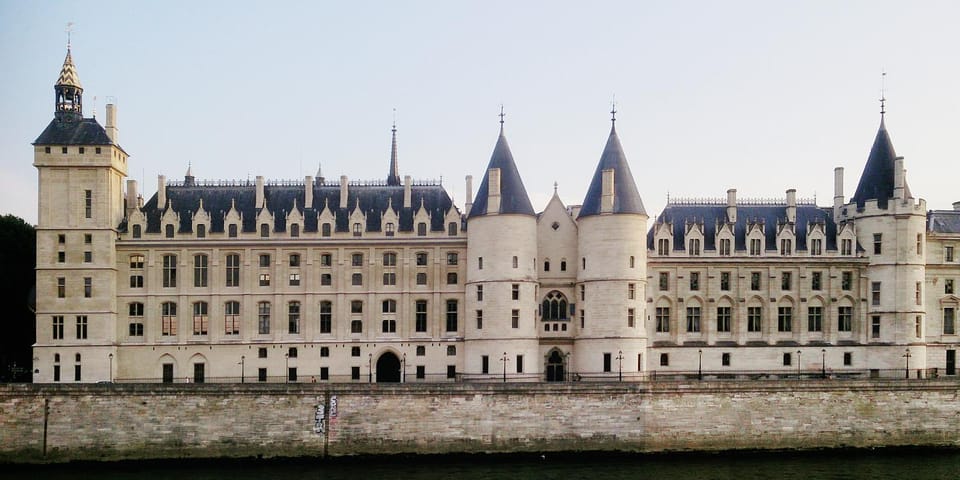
769	215
878	177
513	195
374	199
943	221
84	132
626	197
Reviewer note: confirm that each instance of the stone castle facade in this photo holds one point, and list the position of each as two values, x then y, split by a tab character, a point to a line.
386	281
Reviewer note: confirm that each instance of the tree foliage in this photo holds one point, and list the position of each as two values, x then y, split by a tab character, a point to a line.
18	255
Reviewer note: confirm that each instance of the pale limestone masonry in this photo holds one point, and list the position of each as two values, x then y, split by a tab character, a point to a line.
92	422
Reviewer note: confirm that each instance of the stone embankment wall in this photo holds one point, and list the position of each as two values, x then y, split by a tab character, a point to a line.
55	423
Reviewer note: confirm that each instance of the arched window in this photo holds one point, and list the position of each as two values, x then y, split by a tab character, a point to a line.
389	259
169	230
546	265
295	230
554	306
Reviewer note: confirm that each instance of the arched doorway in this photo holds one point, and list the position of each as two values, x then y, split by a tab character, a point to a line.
555	370
388	368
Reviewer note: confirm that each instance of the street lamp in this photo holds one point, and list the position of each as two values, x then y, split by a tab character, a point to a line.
286	356
504	360
700	364
798	364
111	367
369	368
566	371
907	369
620	366
823	363
242	357
403	369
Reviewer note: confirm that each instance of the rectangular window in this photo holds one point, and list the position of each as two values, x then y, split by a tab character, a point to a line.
261	352
233	270
326	259
326	317
356	326
784	319
723	319
519	363
87	287
694	281
694	247
484	364
421	316
169	270
947	287
693	319
583	292
724	247
388	325
607	362
846	247
754	280
631	291
356	260
61	257
786	246
663	319
389	278
451	316
844	319
847	359
515	318
919	244
918	326
755	247
58	327
294	279
451	278
725	359
354	373
919	290
292	374
949	317
516	262
264	260
88	203
786	281
324	373
293	317
87	257
294	260
479	319
754	319
453	258
479	293
663	247
264	279
814	319
199	270
356	306
61	287
231	318
81	327
168	319
136	281
787	360
664	359
725	281
451	372
948	253
816	246
326	279
846	281
664	282
875	326
200	321
263	318
875	293
816	281
877	243
356	279
631	318
515	291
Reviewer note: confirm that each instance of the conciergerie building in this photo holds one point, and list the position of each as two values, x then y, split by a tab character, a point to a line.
338	280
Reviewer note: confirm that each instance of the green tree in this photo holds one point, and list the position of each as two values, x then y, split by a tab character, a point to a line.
18	259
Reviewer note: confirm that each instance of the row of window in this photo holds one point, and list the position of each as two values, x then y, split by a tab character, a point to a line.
756	281
292	352
326	230
787	359
755	247
87	287
785	320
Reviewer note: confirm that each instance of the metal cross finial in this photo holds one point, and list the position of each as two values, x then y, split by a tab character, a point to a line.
394	120
883	96
501	116
555	186
613	110
69	30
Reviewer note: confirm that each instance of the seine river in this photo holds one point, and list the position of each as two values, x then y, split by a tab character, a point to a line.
835	464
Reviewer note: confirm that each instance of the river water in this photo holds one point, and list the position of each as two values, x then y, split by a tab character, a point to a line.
834	464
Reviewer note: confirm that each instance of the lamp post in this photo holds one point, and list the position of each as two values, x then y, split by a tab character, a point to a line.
286	373
798	364
700	364
566	371
907	369
823	363
242	358
369	368
620	366
504	360
403	369
111	367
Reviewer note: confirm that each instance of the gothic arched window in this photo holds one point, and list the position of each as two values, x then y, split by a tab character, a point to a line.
554	306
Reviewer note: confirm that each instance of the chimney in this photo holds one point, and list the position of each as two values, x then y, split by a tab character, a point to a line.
837	192
467	206
493	191
111	126
343	191
161	191
956	206
308	192
732	205
131	196
898	178
407	191
792	205
259	200
606	189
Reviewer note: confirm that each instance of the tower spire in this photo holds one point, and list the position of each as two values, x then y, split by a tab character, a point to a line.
613	111
393	178
69	92
501	118
883	96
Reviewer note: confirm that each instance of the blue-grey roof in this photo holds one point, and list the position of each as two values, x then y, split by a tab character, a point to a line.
374	200
768	215
83	132
626	198
943	221
513	196
878	177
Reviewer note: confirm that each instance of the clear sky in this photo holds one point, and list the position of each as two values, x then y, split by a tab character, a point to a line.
761	96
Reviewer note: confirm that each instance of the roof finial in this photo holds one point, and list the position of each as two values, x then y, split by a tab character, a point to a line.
501	117
555	187
883	96
613	110
69	30
394	120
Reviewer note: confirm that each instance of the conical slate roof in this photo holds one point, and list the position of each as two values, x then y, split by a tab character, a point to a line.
878	177
68	73
513	196
626	198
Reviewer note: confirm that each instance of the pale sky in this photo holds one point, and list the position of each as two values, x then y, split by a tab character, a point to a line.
760	96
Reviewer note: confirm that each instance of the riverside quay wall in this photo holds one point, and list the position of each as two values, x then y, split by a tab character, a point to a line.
58	423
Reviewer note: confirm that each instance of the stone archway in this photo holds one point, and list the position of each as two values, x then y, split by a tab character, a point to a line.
388	368
555	368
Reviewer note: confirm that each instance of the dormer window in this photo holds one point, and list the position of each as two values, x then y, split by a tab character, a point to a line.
694	249
232	230
846	247
169	230
264	230
452	229
390	229
816	246
201	231
663	247
786	246
755	247
325	230
724	247
357	229
295	230
421	229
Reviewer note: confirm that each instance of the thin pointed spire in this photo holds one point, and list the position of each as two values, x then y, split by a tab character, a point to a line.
393	177
613	111
883	95
501	118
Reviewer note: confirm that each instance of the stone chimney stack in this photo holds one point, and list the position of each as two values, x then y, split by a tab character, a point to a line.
259	199
161	191
732	205
343	191
956	206
493	191
792	205
898	175
131	196
407	191
607	191
308	192
111	126
469	204
837	192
